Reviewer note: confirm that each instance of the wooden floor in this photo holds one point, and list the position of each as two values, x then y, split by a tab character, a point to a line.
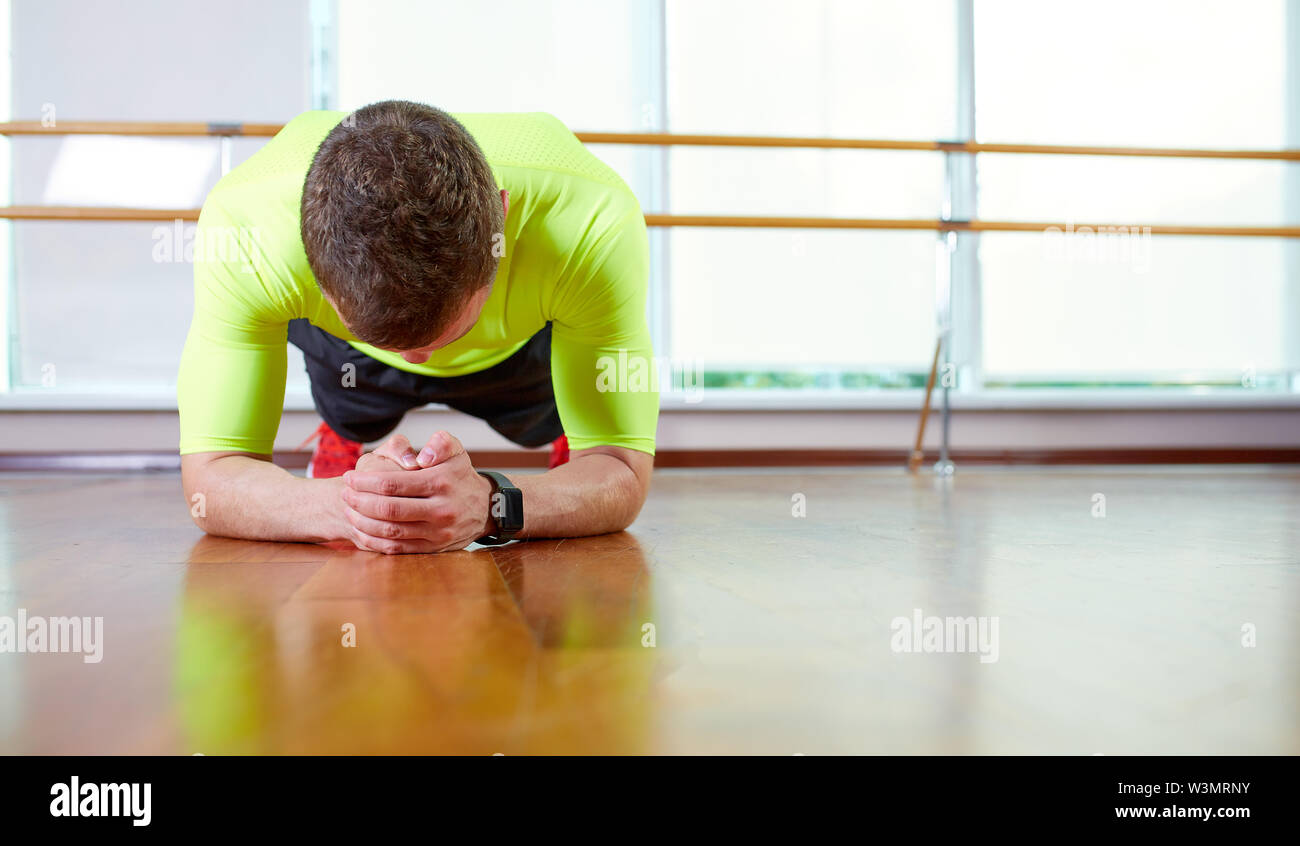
772	633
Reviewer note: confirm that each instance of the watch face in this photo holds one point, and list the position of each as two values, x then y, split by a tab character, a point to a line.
512	510
507	507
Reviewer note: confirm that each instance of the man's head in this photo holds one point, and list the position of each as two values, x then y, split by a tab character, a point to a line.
399	214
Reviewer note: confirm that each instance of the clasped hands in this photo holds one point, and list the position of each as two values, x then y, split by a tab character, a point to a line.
398	500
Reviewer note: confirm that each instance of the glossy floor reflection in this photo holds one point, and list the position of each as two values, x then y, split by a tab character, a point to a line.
723	622
534	648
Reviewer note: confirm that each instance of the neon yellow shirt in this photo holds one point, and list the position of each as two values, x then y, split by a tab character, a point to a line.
576	254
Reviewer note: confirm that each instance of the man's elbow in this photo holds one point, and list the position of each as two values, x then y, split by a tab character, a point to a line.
199	482
636	488
195	498
628	514
624	489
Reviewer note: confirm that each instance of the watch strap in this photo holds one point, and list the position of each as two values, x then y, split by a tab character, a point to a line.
506	505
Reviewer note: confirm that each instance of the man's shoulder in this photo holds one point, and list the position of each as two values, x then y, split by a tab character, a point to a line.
521	133
535	141
281	162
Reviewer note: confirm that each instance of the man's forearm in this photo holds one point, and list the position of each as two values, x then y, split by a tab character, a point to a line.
592	494
240	496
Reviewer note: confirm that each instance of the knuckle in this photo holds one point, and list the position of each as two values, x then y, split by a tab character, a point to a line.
433	481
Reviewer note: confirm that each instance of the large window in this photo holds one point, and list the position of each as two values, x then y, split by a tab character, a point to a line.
856	310
806	308
1123	307
746	308
97	312
794	313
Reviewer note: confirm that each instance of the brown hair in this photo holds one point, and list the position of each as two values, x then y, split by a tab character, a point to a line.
399	210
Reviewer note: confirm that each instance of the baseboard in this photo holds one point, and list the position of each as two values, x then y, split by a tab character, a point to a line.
145	462
898	457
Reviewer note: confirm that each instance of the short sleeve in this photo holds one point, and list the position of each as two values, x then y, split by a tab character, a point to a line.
602	359
230	389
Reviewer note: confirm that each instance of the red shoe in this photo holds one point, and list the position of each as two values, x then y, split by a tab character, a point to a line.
559	452
334	455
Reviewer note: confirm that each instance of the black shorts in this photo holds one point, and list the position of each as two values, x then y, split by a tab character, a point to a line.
515	397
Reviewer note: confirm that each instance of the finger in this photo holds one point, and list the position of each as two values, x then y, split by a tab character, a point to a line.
388	530
399	449
394	509
373	462
442	447
425	482
361	540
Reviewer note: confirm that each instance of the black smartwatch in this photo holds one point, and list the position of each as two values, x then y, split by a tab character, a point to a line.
505	508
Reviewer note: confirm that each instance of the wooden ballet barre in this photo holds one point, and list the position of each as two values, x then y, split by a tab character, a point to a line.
1148	152
930	224
671	139
1130	229
99	213
159	128
682	220
667	139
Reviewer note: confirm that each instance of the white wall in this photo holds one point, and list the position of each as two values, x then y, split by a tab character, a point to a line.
1007	429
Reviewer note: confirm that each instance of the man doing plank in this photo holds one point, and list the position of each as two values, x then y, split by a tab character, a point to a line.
488	262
